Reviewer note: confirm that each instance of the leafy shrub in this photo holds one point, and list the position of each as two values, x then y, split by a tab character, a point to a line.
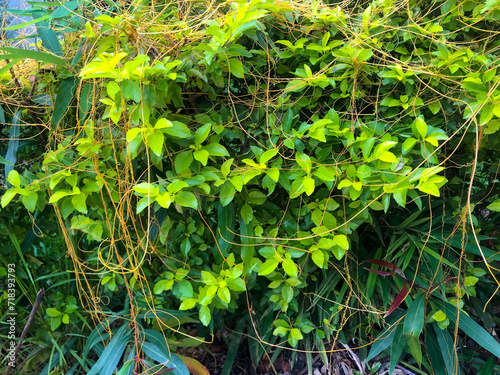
262	159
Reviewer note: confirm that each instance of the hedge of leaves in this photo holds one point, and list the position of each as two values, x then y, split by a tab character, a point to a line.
309	166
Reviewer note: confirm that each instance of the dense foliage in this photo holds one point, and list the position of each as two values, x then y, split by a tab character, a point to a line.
325	171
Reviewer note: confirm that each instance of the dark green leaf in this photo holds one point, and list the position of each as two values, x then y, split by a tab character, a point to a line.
471	328
64	98
48	36
226	219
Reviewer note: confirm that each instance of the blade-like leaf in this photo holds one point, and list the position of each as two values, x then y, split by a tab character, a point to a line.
55	359
384	338
414	320
85	102
19	53
63	98
380	273
397	301
5	69
48	36
386	264
5	161
233	345
397	347
471	328
108	360
434	353
11	155
64	10
225	231
488	367
413	325
446	348
96	336
156	347
24	24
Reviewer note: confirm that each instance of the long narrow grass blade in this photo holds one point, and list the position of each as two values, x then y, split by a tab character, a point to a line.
445	343
11	155
471	328
20	53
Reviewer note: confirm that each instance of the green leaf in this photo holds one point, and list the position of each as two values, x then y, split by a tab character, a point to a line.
280	331
226	220
290	267
201	156
202	134
109	358
226	167
341	240
384	338
52	312
183	161
65	318
413	326
434	107
439	316
318	258
55	323
236	68
204	315
155	142
471	328
304	161
79	202
294	335
24	24
408	145
388	157
325	173
5	161
365	54
247	213
474	85
297	188
273	173
397	347
215	149
46	34
308	185
64	10
446	349
268	266
429	188
157	347
224	294
421	127
178	129
268	155
226	193
495	206
132	133
188	304
63	98
7	197
237	285
492	127
186	199
256	197
14	179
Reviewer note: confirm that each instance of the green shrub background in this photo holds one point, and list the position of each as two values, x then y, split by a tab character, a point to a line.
325	171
